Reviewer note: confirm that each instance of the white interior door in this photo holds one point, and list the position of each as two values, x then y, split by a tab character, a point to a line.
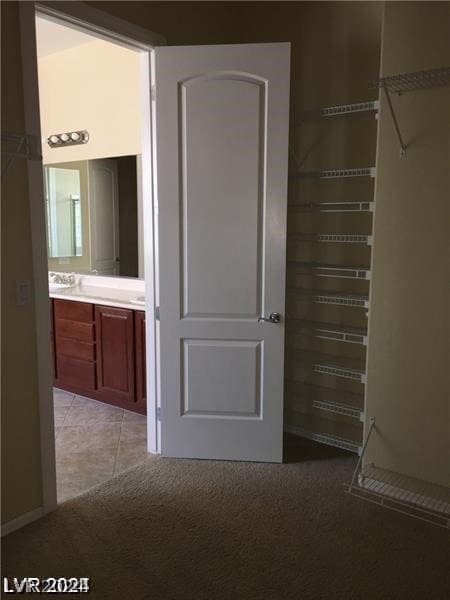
104	215
221	125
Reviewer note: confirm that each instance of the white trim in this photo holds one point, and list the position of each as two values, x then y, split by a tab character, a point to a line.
101	24
86	18
150	255
23	520
40	265
156	252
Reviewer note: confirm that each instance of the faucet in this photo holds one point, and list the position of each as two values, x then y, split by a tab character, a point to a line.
63	278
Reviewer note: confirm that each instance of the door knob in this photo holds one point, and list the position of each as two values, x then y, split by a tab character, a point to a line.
274	317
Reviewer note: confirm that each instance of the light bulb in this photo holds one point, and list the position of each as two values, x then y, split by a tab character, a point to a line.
54	139
75	136
64	137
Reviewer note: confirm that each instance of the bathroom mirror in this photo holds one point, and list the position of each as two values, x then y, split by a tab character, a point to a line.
63	210
93	217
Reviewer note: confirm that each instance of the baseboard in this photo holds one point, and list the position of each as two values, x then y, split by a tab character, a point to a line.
21	521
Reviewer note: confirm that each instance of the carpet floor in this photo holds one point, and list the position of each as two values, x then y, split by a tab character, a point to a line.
204	530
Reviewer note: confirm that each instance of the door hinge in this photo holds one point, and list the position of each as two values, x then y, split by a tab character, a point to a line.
153	92
158	413
157	313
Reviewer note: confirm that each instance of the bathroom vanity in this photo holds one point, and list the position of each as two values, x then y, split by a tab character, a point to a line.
98	337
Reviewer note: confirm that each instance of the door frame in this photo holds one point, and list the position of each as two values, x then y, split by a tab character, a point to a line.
81	16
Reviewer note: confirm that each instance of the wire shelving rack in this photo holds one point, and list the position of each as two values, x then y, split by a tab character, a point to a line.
329	297
416	498
334	207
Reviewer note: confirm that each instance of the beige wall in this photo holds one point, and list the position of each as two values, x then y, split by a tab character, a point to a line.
407	390
95	86
21	471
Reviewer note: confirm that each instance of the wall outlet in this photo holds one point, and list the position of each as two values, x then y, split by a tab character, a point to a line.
23	292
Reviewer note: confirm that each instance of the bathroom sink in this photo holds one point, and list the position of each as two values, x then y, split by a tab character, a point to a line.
57	287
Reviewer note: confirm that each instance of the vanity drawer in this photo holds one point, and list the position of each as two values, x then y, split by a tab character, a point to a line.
75	348
77	373
74	311
83	332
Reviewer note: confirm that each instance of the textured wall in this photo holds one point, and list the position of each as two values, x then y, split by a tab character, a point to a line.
21	471
407	388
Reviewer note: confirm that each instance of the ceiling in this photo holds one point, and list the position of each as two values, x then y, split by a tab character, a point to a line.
52	37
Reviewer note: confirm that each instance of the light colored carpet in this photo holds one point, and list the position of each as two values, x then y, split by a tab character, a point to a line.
204	530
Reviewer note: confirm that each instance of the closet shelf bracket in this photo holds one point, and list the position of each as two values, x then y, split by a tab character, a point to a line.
394	118
19	145
410	82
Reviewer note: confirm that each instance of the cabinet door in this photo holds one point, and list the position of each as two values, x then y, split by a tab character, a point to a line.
141	384
52	339
74	343
115	355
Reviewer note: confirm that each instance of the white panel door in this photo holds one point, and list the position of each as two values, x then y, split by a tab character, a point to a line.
104	215
221	126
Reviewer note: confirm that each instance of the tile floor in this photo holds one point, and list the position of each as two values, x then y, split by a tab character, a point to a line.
94	442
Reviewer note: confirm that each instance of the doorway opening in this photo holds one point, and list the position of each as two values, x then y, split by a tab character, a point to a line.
94	121
220	367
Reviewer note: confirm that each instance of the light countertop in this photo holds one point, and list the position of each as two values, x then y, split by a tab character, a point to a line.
105	290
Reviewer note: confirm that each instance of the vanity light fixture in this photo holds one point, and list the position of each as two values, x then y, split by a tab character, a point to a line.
71	138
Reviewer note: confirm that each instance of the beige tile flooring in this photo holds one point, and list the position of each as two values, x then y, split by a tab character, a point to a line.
94	442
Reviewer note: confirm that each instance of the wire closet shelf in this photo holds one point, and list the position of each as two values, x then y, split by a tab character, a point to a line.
410	496
18	145
411	82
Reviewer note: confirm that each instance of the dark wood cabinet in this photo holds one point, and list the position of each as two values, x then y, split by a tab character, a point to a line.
115	354
141	378
52	337
74	339
100	352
